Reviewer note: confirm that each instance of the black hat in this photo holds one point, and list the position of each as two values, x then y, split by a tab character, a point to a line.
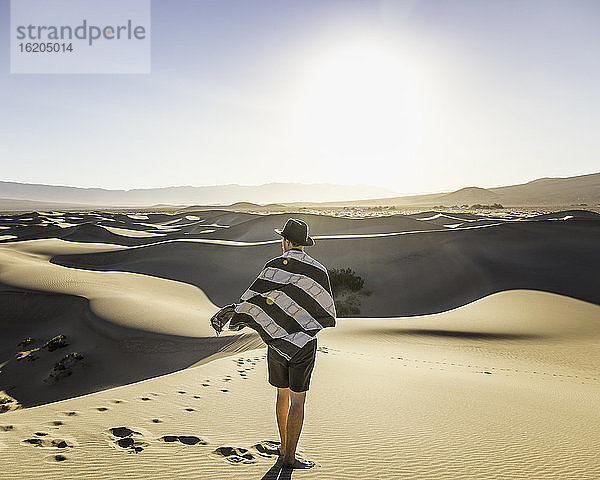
296	231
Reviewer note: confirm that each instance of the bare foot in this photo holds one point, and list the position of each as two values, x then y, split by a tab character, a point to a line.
297	462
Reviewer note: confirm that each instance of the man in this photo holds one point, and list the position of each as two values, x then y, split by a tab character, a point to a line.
288	304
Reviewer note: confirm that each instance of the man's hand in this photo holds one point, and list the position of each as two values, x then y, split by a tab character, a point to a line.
220	319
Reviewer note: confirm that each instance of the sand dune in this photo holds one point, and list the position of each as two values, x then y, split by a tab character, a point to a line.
113	355
386	402
127	232
260	227
246	227
431	271
493	375
112	314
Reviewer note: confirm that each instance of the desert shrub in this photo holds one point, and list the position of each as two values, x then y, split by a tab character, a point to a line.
486	207
60	341
7	404
64	367
24	343
345	279
347	288
68	361
30	355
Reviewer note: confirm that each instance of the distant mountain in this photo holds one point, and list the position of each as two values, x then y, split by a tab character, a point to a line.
11	205
554	191
470	195
579	190
188	195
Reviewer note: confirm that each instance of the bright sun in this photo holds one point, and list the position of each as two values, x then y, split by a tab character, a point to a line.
361	102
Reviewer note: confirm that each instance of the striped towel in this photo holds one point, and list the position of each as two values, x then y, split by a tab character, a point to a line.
288	303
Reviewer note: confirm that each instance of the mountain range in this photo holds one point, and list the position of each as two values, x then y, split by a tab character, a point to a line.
577	190
581	190
30	195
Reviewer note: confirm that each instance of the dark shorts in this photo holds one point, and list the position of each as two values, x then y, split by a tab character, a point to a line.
294	373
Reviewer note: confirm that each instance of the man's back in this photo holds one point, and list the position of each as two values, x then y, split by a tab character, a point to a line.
289	302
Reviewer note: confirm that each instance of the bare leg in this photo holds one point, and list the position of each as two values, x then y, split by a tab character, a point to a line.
282	407
293	428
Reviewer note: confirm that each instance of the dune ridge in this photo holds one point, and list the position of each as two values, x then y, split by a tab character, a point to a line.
433	270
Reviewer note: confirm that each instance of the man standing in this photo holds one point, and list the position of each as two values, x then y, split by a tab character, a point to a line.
288	304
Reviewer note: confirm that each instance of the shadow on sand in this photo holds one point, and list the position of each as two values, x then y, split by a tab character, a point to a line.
278	473
472	335
112	355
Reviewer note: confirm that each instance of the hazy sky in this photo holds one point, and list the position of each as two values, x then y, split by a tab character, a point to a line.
416	96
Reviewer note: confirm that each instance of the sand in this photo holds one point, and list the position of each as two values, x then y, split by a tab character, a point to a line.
500	381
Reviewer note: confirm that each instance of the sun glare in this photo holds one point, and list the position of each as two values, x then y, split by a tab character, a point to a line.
361	102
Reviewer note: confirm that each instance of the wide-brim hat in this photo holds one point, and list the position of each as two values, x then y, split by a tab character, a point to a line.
296	231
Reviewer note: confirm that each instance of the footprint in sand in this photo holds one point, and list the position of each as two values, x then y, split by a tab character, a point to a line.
47	442
224	390
118	401
126	439
189	409
55	423
144	398
234	455
56	458
122	432
185	439
181	392
156	420
267	448
70	414
102	409
6	428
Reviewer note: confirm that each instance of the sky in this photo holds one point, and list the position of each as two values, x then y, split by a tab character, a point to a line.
414	96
